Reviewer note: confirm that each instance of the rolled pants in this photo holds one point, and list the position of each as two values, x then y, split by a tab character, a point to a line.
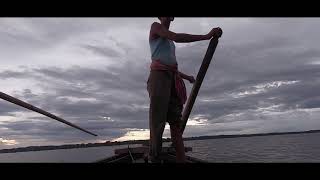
164	107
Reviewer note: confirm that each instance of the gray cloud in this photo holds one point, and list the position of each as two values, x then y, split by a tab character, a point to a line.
252	57
7	108
104	51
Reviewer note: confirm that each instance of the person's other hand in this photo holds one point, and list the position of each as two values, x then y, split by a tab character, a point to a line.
191	79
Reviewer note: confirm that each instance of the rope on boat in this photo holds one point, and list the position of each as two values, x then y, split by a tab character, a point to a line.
133	160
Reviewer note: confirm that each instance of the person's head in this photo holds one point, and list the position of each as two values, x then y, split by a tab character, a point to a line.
166	20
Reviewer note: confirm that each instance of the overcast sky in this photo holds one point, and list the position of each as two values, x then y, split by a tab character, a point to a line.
264	77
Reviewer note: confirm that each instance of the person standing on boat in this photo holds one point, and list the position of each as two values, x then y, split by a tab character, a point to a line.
165	85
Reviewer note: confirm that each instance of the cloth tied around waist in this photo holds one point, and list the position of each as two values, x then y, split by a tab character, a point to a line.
179	83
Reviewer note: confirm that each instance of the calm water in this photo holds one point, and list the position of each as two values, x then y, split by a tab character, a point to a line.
279	148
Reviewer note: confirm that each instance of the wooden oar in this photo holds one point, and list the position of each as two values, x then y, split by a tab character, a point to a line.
38	110
197	84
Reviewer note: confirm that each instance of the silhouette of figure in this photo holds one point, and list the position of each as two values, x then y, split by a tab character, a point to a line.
165	85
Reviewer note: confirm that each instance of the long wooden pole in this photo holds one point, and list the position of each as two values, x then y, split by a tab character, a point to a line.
38	110
197	84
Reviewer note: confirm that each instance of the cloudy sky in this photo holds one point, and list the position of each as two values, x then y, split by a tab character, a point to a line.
264	77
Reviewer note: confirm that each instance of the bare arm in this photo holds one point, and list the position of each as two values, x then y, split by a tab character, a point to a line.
161	31
186	77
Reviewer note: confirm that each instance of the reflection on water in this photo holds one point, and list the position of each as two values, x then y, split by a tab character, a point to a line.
80	155
279	148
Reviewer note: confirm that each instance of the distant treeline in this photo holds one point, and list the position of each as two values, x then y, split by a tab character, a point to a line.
144	142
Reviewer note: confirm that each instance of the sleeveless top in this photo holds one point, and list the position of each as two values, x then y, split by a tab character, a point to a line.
163	50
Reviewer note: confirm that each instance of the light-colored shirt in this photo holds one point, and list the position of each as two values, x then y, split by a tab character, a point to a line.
164	50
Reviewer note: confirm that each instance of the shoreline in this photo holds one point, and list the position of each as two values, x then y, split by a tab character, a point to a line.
145	142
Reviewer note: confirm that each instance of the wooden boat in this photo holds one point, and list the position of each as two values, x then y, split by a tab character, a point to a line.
139	155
